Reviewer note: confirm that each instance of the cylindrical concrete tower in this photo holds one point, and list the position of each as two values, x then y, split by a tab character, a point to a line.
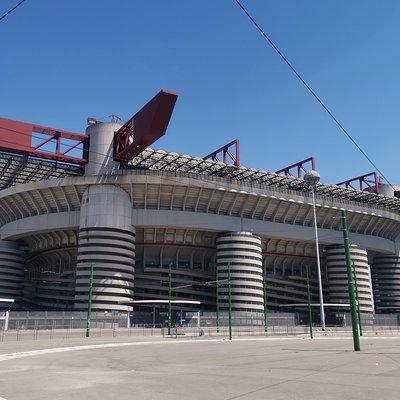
241	252
12	264
386	283
337	276
388	190
106	240
101	136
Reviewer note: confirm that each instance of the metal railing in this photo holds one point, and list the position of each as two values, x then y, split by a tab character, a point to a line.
187	332
68	334
67	320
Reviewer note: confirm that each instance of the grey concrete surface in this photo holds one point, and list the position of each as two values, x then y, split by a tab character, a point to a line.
323	368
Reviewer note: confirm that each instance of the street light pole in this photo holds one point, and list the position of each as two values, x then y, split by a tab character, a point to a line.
321	296
89	306
265	307
229	302
312	178
309	304
169	298
217	289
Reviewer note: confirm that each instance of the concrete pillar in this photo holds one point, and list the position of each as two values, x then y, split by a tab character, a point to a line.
388	190
6	320
12	265
337	276
386	283
106	240
101	137
397	245
242	252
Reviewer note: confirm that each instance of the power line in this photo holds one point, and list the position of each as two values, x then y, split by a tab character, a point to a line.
302	80
11	10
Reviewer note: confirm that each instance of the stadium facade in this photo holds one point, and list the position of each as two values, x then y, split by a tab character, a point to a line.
133	220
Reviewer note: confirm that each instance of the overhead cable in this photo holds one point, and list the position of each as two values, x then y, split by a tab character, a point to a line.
12	9
312	92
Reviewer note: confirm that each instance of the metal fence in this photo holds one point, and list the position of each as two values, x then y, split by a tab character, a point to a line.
53	320
187	332
344	320
242	318
76	333
159	318
71	325
237	331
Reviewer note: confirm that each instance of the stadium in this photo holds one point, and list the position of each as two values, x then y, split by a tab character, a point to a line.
106	200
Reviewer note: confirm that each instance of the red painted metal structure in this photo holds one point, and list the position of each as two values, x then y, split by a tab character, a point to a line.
145	127
226	153
299	169
17	137
369	182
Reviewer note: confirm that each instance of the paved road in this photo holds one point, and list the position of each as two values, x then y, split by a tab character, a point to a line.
207	370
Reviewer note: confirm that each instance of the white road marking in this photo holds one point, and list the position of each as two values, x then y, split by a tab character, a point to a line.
22	354
11	356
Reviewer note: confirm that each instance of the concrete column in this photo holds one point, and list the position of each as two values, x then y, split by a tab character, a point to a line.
241	251
386	283
397	246
12	265
337	276
101	136
388	190
106	240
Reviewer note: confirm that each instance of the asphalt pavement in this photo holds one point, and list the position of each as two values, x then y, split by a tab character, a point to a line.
155	368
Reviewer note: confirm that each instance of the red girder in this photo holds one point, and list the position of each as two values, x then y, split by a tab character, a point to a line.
225	152
16	137
363	182
145	127
300	168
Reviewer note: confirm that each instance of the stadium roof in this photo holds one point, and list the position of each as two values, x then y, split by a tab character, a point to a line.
16	169
169	161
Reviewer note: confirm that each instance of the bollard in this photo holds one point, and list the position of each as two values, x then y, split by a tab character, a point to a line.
7	318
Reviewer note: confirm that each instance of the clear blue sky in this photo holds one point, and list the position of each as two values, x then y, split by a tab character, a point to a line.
62	61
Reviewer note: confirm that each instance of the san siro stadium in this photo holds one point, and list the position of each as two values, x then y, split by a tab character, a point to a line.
111	202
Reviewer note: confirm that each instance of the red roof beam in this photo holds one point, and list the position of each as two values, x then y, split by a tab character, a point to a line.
300	168
17	137
64	134
363	182
74	146
225	152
